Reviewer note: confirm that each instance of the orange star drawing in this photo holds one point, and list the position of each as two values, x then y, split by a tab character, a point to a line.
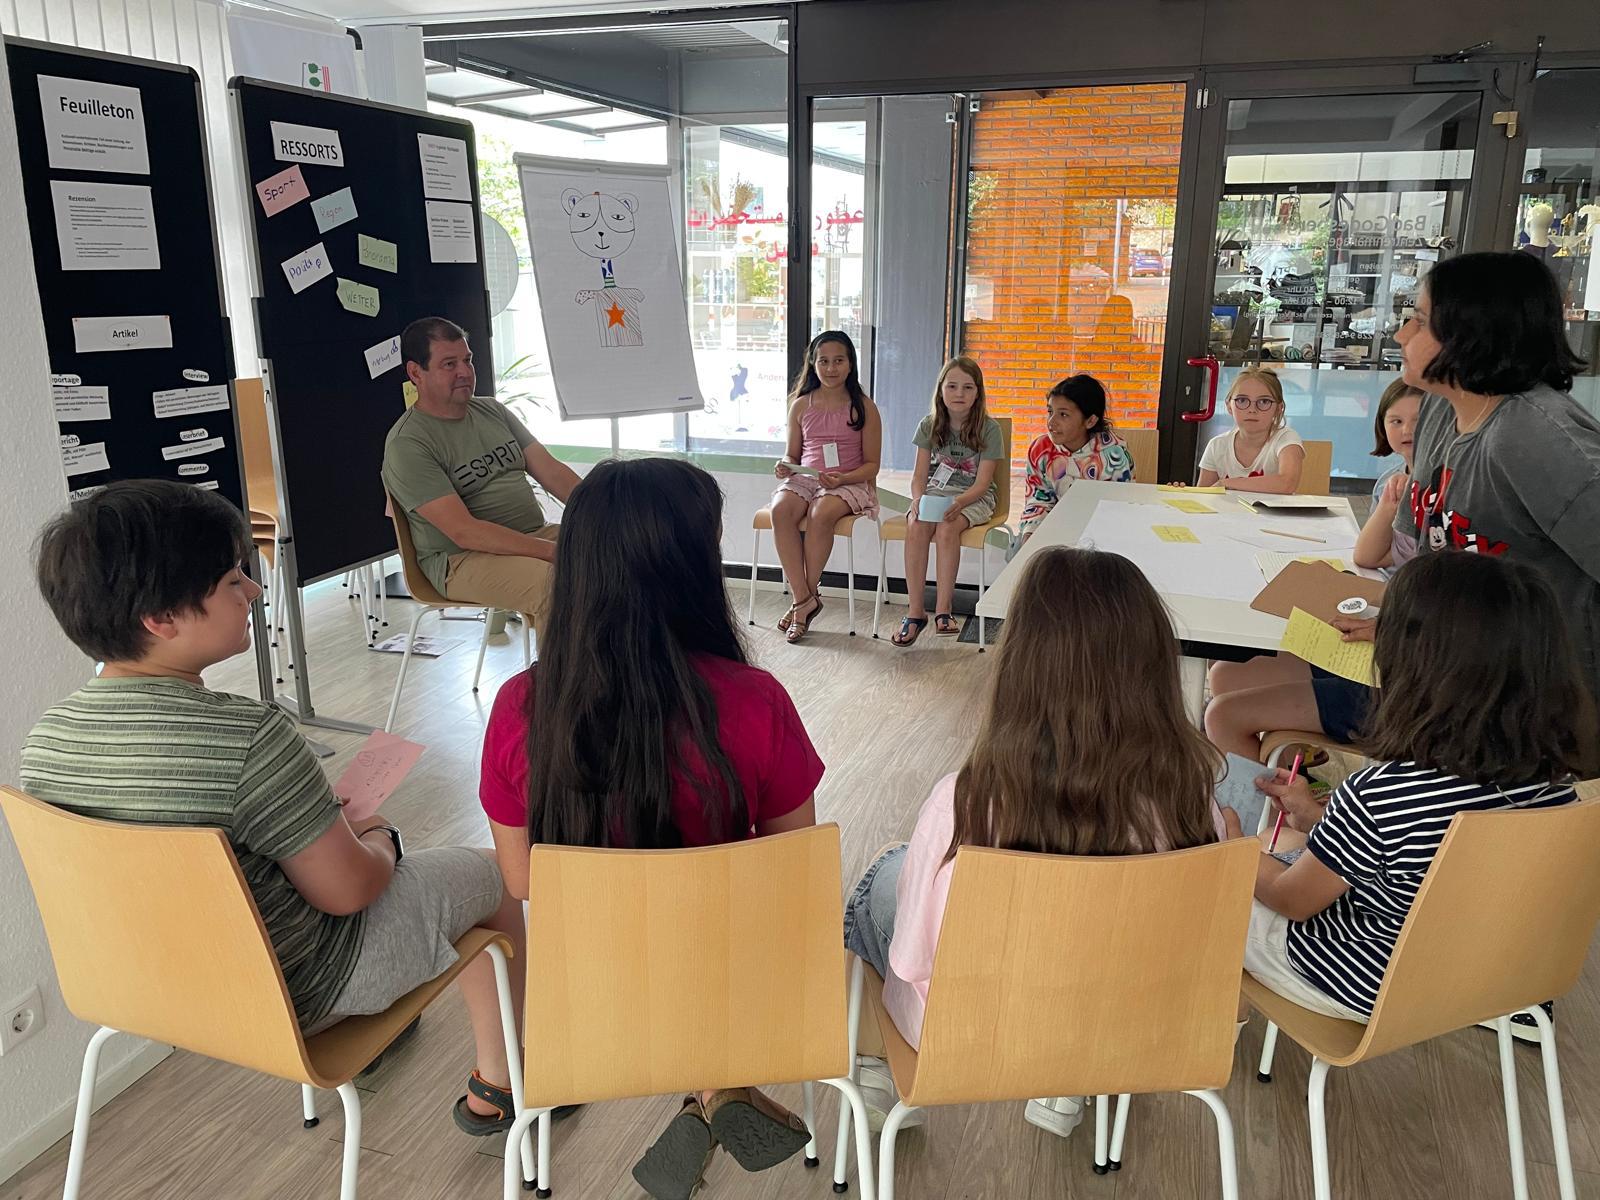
614	315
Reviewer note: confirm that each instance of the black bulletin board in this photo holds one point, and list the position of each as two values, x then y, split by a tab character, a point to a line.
185	286
331	415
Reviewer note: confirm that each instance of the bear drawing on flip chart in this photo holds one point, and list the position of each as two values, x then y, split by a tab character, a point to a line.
602	226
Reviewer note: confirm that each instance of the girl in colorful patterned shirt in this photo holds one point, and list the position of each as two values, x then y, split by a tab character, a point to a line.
1078	443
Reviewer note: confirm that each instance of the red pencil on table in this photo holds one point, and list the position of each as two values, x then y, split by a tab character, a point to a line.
1277	828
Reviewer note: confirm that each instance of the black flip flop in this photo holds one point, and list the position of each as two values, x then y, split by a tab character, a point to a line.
676	1162
907	624
938	625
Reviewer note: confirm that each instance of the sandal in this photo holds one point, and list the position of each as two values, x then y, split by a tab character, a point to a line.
910	630
483	1125
758	1132
674	1166
945	625
800	626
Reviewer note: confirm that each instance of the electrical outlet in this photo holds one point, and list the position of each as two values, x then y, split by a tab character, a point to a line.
21	1019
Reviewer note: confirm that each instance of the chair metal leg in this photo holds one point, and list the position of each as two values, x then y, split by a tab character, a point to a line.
1226	1151
80	1121
542	1187
850	562
1321	1181
755	566
1269	1047
1119	1130
891	1130
1102	1134
508	1030
352	1140
851	1101
1552	1095
405	662
383	596
883	583
809	1091
483	645
983	586
308	1107
841	1144
527	650
518	1133
1508	1089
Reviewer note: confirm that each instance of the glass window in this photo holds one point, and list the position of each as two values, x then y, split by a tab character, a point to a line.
1558	217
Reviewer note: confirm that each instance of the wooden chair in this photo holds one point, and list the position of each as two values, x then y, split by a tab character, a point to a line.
976	538
844	529
686	970
1013	1012
1316	475
154	933
261	498
429	600
1144	445
1502	922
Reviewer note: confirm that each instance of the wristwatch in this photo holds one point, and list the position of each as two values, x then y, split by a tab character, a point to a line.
394	836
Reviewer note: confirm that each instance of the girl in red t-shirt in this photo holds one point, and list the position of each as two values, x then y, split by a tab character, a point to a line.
644	726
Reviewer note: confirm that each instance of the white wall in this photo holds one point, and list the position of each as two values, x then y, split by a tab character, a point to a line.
191	32
38	1080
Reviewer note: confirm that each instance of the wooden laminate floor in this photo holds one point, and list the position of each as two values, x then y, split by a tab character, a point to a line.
1422	1123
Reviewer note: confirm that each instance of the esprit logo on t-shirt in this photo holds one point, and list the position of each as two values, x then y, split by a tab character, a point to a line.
1443	527
505	457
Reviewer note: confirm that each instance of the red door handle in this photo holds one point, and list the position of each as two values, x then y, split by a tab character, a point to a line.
1213	370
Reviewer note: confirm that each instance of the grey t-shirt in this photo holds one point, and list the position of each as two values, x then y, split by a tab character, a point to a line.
479	457
961	459
1525	484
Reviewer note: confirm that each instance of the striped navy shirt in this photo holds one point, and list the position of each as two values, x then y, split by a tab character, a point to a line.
1379	834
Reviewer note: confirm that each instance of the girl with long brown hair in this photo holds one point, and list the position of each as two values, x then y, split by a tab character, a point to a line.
953	487
1083	748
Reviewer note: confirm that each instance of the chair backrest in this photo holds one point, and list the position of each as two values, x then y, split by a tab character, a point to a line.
655	971
1316	475
154	932
1059	975
1502	921
1144	447
1003	480
255	444
418	584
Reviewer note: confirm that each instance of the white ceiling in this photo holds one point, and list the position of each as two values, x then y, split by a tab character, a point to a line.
383	12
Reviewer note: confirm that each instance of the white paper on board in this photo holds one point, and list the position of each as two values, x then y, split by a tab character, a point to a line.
190	449
334	209
84	493
80	460
306	144
194	375
306	268
65	380
105	226
385	356
92	126
1591	299
183	402
444	168
80	403
194	468
210	486
452	236
93	334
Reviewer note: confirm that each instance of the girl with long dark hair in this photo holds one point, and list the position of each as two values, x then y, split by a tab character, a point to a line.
643	725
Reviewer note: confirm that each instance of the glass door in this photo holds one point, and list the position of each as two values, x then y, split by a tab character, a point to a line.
1325	214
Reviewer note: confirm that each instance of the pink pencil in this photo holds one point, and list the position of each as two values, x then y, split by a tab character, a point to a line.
1277	828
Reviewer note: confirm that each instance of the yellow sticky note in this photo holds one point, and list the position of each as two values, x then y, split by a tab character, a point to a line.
377	253
1204	491
1321	645
1175	533
358	298
409	391
1190	506
1336	563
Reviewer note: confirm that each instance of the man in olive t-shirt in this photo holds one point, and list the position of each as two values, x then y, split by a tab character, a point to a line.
458	464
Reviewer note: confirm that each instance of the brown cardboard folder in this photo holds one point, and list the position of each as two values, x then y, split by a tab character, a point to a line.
1317	588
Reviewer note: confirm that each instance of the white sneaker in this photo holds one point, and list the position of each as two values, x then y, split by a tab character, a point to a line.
877	1089
1059	1115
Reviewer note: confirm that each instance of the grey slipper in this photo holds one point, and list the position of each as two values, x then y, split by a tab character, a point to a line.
675	1164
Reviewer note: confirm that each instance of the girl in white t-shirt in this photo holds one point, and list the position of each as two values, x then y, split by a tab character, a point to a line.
1263	454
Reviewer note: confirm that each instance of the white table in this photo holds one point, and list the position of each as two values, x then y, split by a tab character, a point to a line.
1223	562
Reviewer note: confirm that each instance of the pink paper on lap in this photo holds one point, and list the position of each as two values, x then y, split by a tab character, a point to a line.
282	190
372	776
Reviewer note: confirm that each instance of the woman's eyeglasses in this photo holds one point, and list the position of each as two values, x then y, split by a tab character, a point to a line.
1261	403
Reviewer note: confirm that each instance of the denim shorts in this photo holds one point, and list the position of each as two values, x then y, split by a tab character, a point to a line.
869	913
1342	704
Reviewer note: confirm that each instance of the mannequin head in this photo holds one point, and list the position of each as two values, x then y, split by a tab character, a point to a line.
1540	217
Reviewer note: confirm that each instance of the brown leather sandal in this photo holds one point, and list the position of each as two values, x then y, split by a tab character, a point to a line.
756	1130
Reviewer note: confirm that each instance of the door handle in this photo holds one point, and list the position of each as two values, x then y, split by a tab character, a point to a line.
1213	370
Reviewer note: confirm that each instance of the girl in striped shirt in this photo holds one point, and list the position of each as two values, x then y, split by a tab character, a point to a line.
1481	708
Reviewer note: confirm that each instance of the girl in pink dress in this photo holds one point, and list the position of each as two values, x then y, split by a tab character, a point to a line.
829	471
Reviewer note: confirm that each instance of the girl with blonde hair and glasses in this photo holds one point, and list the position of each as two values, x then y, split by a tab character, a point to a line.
1262	454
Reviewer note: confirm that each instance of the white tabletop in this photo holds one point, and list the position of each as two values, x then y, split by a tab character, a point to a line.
1223	562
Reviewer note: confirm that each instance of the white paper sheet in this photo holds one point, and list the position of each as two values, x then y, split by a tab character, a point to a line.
105	226
306	144
81	458
334	209
81	403
93	334
306	268
92	126
183	402
385	356
190	449
444	168
452	236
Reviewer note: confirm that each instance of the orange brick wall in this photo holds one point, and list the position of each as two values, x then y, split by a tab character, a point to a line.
1043	240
